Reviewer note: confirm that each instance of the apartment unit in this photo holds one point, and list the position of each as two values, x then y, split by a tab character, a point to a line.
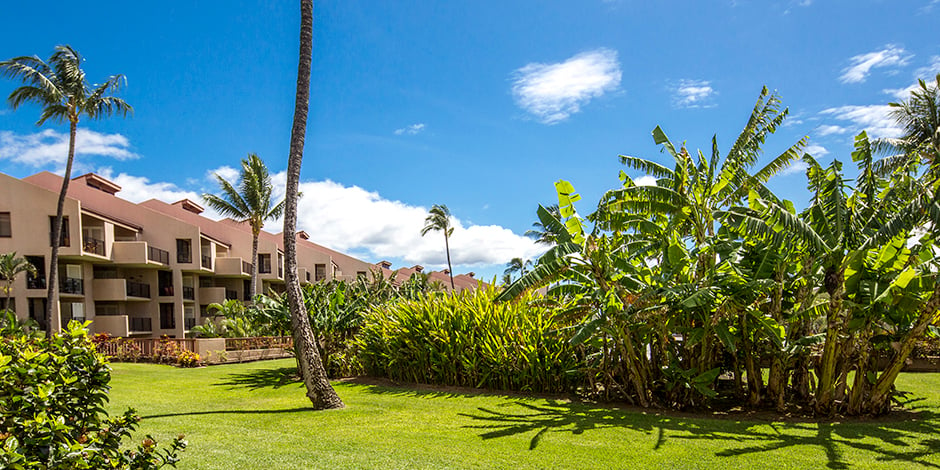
147	269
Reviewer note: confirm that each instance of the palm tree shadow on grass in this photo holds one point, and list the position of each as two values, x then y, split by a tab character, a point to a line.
899	441
256	379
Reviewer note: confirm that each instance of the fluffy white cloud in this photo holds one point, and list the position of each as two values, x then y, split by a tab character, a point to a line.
875	119
552	92
140	188
862	64
410	130
829	129
645	180
693	94
51	147
226	172
816	150
797	167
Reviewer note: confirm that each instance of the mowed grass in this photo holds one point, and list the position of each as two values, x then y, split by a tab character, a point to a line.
254	415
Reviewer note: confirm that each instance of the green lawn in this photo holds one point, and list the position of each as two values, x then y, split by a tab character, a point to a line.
253	415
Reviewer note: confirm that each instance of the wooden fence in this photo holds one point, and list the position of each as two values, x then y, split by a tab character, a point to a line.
144	346
259	342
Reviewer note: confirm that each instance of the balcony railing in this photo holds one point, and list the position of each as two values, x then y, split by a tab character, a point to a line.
246	267
71	285
207	261
140	324
189	293
231	294
138	289
189	322
35	282
93	245
158	255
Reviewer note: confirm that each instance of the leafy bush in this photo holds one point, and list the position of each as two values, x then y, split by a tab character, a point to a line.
466	339
52	396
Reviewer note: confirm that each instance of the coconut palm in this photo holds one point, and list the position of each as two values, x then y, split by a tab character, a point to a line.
309	363
59	87
919	116
438	219
517	265
542	234
10	267
251	201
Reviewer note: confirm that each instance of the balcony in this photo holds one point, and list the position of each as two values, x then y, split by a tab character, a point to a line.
211	295
114	325
138	289
138	254
93	246
189	293
233	267
157	255
119	290
140	324
71	285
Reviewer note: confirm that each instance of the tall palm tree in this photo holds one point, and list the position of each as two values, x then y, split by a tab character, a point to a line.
542	234
517	265
10	267
439	219
309	364
919	116
59	87
250	201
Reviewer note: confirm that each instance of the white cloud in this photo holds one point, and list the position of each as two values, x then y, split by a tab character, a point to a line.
828	129
862	64
693	94
875	119
796	167
51	147
352	219
645	180
930	70
226	172
410	130
140	188
816	150
553	92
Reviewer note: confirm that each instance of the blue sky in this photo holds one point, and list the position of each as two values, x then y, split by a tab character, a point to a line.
477	105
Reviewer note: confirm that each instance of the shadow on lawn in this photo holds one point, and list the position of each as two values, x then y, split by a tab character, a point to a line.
901	441
262	378
229	412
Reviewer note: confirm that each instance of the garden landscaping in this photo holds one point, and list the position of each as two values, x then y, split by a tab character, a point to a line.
255	415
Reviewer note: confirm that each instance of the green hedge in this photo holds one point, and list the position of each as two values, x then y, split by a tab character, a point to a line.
467	339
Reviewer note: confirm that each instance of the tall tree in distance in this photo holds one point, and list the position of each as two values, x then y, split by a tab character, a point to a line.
309	364
517	265
10	267
439	219
251	201
59	87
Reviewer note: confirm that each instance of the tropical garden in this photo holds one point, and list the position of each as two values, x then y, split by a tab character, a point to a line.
702	293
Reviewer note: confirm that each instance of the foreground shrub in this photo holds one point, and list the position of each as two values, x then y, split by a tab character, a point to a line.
466	339
52	397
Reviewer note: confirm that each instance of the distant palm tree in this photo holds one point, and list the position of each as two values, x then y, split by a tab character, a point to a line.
250	201
439	219
309	364
516	265
10	267
544	235
919	116
59	87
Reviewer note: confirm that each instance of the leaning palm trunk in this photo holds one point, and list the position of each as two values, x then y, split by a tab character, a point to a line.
319	390
52	294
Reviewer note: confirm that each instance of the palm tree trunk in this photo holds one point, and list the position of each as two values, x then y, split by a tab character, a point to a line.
254	262
319	390
52	294
450	269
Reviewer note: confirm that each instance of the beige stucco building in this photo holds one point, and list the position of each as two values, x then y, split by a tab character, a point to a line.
147	269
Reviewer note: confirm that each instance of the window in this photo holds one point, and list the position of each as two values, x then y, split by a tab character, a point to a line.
319	273
246	289
39	280
165	283
264	264
6	230
64	240
205	281
280	265
167	319
184	250
361	274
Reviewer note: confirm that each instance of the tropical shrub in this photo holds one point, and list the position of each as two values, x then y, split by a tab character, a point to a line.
52	394
466	339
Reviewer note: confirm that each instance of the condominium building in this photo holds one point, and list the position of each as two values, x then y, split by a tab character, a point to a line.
147	269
